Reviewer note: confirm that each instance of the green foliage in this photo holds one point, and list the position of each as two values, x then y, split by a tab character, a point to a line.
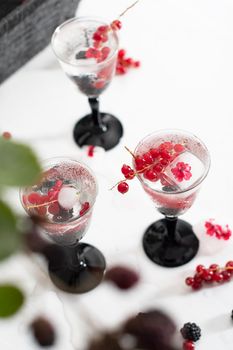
11	300
10	238
18	164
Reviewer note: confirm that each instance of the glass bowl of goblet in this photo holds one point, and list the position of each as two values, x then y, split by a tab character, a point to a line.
63	201
91	69
171	166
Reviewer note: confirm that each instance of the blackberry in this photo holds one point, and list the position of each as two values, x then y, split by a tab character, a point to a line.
232	314
169	188
81	55
191	331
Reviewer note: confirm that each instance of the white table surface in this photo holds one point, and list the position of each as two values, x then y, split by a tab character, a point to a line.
186	82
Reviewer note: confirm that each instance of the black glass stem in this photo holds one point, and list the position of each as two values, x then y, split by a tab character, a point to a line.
97	120
77	269
98	129
170	242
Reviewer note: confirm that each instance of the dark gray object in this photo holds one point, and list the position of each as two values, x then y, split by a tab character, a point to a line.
28	28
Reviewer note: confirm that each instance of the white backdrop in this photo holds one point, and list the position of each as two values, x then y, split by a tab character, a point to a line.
186	50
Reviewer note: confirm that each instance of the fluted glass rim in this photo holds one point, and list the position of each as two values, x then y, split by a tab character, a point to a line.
101	21
188	134
65	159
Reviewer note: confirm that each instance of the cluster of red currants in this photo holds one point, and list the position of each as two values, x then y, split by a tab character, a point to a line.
100	37
41	204
217	230
125	63
151	165
214	273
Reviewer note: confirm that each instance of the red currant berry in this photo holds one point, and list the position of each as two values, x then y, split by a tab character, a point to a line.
105	52
148	158
137	64
164	162
151	175
120	70
104	38
158	168
127	171
58	184
178	148
121	53
129	62
196	286
168	146
116	25
229	266
188	345
189	281
54	208
123	187
53	194
198	278
140	163
103	29
226	275
200	268
34	198
165	155
155	153
218	277
85	208
97	36
214	267
208	275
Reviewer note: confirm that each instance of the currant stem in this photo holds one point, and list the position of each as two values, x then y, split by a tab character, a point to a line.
128	8
127	149
41	205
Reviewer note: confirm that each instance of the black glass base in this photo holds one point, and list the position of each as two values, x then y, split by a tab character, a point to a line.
73	277
87	133
169	251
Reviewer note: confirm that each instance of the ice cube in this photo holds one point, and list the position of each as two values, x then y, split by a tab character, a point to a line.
68	197
197	169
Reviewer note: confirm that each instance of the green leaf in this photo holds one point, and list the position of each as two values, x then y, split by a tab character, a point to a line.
11	300
10	238
18	164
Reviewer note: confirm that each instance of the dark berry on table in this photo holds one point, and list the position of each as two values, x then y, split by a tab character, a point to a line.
188	345
122	277
152	329
232	314
43	331
191	331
